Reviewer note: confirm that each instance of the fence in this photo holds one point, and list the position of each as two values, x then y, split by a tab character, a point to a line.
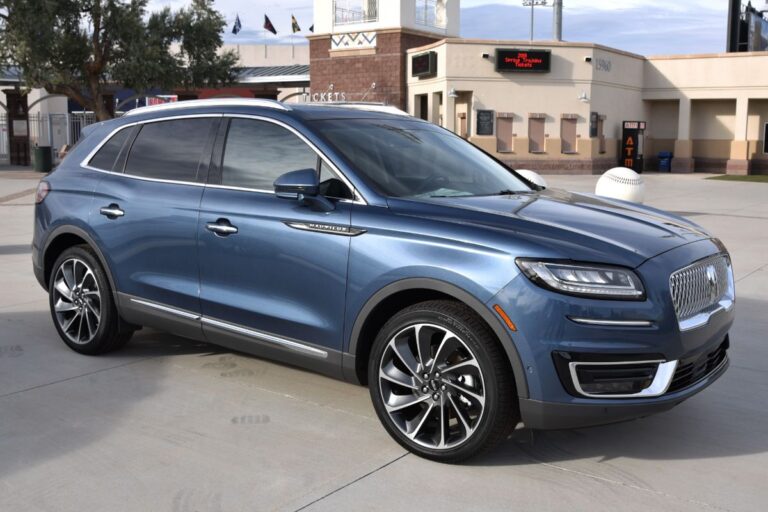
53	130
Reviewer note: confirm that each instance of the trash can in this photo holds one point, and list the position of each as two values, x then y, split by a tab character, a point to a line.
43	159
665	161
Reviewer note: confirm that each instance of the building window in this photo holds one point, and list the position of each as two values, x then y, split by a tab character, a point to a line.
536	133
505	137
349	12
568	134
431	13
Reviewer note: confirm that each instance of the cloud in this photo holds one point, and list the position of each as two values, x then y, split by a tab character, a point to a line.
648	27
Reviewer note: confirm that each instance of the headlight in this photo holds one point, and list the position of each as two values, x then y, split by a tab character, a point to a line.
596	281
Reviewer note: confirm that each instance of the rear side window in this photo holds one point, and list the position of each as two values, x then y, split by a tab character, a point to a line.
258	152
105	158
170	150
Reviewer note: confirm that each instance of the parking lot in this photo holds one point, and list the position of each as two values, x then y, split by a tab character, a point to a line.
168	424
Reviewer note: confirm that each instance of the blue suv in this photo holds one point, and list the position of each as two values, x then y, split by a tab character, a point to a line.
367	245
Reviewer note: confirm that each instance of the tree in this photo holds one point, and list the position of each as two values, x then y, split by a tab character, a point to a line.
79	48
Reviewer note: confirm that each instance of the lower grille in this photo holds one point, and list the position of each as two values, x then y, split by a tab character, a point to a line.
693	369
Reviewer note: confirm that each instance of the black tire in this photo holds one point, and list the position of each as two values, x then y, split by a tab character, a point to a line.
499	414
104	334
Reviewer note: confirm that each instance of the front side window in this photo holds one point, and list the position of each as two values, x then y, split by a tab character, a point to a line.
258	152
416	159
170	150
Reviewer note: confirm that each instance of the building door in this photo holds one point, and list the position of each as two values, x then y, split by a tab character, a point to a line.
504	133
601	134
423	107
461	124
18	127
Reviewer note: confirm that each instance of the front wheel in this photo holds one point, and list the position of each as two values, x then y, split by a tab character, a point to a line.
440	382
81	303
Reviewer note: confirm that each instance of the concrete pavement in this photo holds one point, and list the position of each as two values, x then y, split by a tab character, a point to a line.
172	425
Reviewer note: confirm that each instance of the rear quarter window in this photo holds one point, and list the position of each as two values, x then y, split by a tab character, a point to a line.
105	157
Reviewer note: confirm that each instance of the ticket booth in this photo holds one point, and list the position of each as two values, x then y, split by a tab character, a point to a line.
633	145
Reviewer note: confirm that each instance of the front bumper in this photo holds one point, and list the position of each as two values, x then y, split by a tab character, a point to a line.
541	415
547	323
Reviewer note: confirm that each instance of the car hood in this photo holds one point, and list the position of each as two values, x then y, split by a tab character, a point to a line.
579	225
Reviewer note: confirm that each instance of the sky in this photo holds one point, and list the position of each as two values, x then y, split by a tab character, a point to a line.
647	27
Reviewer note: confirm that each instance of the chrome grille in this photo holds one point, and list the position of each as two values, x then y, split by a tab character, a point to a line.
698	287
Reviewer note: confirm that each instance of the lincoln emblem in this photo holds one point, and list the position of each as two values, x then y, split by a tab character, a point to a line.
712	280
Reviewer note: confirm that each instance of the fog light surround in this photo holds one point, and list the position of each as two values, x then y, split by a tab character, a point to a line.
622	379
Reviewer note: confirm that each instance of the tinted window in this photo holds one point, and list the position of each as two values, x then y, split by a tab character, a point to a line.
258	152
169	150
105	158
331	185
417	159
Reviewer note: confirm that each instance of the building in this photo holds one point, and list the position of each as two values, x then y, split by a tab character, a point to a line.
550	106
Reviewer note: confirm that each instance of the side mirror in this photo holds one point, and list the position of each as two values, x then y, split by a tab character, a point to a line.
294	184
302	185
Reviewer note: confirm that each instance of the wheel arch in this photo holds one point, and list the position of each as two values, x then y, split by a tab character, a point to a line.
64	237
404	293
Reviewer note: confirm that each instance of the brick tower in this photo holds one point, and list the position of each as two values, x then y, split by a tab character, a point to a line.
358	51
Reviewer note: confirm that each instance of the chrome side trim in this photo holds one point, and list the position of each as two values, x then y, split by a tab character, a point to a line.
263	336
216	102
167	309
661	381
293	345
330	229
611	323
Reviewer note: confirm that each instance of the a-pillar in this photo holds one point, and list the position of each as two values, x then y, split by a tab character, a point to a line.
739	162
683	154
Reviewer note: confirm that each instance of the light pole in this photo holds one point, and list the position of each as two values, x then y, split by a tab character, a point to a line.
533	4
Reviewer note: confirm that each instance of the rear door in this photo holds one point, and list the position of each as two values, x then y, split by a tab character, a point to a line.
146	213
274	281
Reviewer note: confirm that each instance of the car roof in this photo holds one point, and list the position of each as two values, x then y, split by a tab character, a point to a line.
305	111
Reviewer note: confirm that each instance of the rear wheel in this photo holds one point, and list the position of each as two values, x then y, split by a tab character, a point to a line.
82	306
440	382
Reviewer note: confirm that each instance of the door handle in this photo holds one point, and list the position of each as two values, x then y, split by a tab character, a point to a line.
221	227
112	211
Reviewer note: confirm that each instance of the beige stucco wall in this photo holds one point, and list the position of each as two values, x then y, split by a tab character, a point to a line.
712	107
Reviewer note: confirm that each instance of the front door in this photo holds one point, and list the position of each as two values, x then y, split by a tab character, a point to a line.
273	271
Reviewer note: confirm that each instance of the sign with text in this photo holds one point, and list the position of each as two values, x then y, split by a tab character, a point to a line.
424	65
633	137
485	122
523	61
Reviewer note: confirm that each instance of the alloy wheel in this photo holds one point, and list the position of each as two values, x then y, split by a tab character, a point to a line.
77	301
432	386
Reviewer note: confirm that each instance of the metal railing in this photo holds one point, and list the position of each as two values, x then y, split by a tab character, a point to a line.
53	130
349	12
431	13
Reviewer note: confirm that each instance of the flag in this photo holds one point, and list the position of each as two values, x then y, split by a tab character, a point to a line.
268	25
236	28
312	28
295	24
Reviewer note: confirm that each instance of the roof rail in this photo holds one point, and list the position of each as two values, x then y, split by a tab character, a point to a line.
215	102
361	105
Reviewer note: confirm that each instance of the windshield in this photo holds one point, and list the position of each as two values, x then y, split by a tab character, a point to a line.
417	160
